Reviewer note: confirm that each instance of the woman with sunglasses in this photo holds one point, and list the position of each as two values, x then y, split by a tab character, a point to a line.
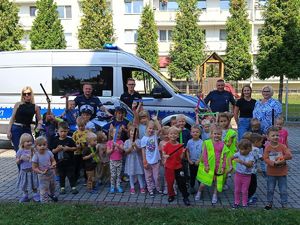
22	117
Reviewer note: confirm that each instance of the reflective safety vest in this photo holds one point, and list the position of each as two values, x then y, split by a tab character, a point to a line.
232	148
95	157
208	178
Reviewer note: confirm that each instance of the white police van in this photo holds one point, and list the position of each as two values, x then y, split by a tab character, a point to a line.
63	71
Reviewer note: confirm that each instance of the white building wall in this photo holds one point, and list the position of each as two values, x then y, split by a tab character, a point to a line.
212	19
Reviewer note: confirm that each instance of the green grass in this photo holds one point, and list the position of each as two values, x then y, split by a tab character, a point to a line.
87	214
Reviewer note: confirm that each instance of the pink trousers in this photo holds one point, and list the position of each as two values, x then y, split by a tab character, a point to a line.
241	185
152	177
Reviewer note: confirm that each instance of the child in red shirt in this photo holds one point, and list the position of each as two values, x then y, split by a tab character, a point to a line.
173	153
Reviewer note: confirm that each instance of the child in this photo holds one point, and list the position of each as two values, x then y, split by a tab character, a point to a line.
43	163
119	120
63	148
194	152
173	121
87	114
151	156
164	138
27	179
134	163
275	156
173	153
90	160
244	164
283	133
256	140
212	167
70	115
229	137
206	129
80	138
143	119
102	169
115	148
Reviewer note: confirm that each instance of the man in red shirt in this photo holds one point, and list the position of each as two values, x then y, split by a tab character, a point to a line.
173	153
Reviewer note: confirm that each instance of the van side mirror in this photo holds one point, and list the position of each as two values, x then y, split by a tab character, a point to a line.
159	92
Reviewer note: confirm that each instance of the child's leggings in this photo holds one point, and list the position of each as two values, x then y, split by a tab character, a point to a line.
241	185
152	177
140	178
115	173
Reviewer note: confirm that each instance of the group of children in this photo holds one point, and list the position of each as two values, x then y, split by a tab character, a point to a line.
155	157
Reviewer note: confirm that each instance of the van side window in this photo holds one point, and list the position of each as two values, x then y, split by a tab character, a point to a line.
69	79
146	85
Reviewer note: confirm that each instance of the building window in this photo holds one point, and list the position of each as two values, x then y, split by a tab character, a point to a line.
130	36
224	4
262	2
64	12
201	4
69	79
32	10
133	6
223	35
168	5
68	37
165	35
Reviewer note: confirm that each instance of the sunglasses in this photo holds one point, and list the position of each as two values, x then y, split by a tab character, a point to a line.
27	94
131	84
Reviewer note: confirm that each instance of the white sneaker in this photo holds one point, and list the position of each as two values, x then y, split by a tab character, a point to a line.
198	196
214	199
225	187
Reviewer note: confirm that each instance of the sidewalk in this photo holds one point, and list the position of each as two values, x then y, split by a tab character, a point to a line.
9	193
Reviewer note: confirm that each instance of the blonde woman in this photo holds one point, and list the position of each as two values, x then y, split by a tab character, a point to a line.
22	117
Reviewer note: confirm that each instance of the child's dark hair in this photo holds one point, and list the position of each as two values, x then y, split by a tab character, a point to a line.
224	115
254	120
244	144
272	129
63	125
255	137
247	135
101	137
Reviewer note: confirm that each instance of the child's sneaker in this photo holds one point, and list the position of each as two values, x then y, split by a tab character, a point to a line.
24	199
252	201
74	191
234	206
151	193
214	199
125	179
143	191
132	191
268	207
198	196
112	190
53	197
36	197
186	201
171	198
225	187
62	191
120	190
165	192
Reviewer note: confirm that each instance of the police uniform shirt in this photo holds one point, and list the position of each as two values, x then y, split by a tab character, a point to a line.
219	100
128	98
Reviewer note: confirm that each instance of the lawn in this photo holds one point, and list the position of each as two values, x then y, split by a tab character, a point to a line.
87	214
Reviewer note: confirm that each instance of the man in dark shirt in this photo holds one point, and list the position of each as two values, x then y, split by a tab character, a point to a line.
131	95
88	101
219	99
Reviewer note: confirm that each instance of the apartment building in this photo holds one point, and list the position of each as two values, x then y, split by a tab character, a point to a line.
126	17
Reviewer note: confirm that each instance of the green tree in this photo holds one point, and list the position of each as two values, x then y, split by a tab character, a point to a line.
47	31
96	25
238	60
278	51
10	31
147	47
186	52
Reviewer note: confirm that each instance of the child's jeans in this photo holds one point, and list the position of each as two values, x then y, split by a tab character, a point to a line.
152	172
282	185
46	185
140	178
241	185
115	173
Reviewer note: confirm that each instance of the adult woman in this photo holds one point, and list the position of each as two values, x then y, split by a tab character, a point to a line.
267	109
243	111
22	116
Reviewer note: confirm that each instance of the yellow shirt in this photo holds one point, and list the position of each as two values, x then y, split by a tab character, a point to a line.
80	139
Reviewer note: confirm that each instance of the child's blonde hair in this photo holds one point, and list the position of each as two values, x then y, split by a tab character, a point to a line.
165	130
24	137
254	120
101	137
280	118
174	128
40	140
180	116
205	122
197	127
80	121
215	127
91	136
144	113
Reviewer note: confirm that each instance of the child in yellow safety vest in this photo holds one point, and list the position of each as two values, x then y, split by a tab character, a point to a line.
212	166
229	137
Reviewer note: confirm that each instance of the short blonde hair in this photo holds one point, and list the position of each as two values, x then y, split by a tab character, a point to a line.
164	129
27	88
80	121
40	140
91	136
270	88
180	116
173	128
205	122
24	137
144	113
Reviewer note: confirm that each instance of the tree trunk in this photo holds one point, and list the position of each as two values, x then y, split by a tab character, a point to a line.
187	86
280	89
